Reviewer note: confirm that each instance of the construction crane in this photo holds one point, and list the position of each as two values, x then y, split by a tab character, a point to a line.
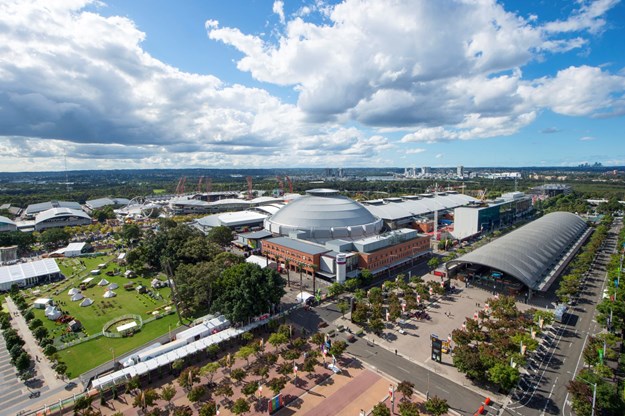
180	186
209	185
288	180
249	187
280	185
481	194
199	185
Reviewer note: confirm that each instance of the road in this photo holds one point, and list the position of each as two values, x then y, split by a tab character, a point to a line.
543	390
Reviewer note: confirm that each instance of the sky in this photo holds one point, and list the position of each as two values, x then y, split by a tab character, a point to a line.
129	84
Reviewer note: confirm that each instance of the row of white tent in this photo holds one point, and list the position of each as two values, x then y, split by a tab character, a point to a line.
119	377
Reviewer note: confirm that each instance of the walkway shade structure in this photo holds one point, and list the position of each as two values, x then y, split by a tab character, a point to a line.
532	252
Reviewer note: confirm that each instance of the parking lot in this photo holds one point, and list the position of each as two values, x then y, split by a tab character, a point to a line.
12	390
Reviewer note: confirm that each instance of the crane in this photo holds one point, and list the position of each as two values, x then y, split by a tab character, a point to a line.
199	185
209	185
249	187
288	180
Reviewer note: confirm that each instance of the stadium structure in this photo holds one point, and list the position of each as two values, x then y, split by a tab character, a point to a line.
61	217
533	255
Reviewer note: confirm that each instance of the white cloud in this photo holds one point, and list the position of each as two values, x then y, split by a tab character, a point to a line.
414	151
387	64
587	138
75	81
439	155
278	8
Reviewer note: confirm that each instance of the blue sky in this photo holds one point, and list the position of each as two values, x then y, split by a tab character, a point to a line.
144	84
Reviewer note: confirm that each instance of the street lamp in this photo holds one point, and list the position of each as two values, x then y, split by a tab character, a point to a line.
594	395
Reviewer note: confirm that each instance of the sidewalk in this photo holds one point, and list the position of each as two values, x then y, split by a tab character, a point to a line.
43	367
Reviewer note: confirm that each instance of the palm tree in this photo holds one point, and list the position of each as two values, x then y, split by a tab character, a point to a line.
314	276
287	264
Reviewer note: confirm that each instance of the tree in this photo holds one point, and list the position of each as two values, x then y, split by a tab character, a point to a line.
49	350
210	369
53	237
238	374
222	236
406	388
82	404
338	348
245	353
246	290
131	232
376	325
240	406
408	409
208	409
212	350
34	324
183	411
504	375
61	368
28	316
177	365
360	312
434	262
250	388
224	389
276	384
310	363
23	362
145	399
168	391
40	333
278	339
375	295
380	409
188	377
196	393
335	289
436	406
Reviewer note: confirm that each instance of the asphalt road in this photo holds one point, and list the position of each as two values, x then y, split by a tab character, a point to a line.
559	357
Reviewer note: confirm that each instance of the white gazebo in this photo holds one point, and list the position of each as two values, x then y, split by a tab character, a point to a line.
103	282
110	294
73	291
113	286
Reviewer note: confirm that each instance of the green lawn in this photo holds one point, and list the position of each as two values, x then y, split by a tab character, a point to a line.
103	310
85	356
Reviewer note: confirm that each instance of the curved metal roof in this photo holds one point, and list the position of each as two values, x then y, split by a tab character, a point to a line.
60	212
529	253
323	214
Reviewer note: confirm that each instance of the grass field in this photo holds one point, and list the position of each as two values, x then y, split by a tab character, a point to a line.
90	354
103	310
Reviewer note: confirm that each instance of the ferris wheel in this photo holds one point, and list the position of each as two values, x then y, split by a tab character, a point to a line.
140	206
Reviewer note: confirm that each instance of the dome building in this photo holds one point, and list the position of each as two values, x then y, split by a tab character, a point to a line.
323	215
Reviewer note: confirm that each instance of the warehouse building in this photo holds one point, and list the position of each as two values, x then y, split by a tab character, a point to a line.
99	203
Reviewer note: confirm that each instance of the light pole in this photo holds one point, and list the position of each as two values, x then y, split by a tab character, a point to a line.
594	395
113	351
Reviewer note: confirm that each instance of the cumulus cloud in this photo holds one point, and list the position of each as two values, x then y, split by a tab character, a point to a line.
414	151
76	80
587	138
387	64
278	8
550	130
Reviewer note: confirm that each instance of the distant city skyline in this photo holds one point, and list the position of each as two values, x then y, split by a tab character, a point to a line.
120	84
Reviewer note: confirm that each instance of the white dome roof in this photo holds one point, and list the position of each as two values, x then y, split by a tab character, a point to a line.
324	215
